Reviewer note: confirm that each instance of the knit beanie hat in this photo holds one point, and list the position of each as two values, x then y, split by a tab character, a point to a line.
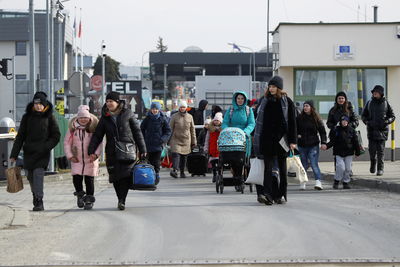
218	117
182	103
40	98
113	96
309	102
207	121
277	81
379	89
155	105
345	118
340	94
83	112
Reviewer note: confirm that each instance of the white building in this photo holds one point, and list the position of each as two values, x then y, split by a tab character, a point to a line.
317	60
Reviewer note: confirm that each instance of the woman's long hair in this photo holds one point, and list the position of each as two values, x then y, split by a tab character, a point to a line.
313	113
279	93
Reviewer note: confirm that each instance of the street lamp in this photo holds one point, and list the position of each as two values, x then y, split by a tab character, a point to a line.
254	63
103	70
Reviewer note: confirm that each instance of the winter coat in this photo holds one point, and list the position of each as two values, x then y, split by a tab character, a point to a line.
239	117
76	144
378	115
344	141
211	142
308	130
125	129
38	134
201	139
288	124
198	116
183	136
156	131
337	112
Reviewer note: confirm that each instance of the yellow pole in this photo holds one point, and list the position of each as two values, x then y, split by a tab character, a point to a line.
393	145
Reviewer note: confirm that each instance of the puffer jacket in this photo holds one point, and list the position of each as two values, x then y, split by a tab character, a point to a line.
125	129
38	134
239	116
378	115
156	131
344	141
76	144
211	142
308	130
337	112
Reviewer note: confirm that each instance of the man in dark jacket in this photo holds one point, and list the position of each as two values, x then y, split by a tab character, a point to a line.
198	116
119	125
38	134
156	131
377	115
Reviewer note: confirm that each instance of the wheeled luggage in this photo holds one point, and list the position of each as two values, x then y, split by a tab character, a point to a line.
144	177
197	163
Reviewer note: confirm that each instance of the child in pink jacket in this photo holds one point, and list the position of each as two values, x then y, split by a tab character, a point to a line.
76	143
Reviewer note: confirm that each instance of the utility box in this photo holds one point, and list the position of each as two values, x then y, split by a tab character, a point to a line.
7	136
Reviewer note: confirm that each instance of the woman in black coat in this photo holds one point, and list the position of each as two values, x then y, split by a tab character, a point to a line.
275	134
342	107
118	124
38	134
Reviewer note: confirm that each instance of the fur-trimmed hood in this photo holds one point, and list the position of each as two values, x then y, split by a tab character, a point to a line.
48	111
91	127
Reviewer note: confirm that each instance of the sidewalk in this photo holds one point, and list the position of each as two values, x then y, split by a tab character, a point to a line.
15	208
390	181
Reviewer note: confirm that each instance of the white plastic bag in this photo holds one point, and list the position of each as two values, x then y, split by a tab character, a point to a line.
294	165
256	175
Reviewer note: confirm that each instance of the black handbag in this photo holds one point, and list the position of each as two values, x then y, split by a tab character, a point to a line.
125	151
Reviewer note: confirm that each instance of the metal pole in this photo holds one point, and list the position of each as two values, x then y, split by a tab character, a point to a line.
267	34
393	144
48	16
32	73
165	86
14	92
103	73
51	89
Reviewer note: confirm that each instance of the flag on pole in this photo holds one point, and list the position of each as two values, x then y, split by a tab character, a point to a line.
235	46
80	29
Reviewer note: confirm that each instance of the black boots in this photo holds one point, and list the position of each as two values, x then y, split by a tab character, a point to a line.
173	173
346	185
38	204
380	168
335	184
79	198
183	175
121	204
372	168
88	202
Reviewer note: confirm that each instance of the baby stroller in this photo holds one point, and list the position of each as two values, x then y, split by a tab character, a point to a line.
232	146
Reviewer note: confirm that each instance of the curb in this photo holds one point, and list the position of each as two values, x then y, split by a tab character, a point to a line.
378	184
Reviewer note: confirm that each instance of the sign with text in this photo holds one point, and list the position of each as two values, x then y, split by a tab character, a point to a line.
344	52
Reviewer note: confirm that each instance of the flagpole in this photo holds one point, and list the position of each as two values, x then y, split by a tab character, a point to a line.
81	71
76	44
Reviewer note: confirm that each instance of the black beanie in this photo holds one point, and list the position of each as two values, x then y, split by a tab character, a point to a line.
310	103
40	97
340	94
113	96
379	89
277	81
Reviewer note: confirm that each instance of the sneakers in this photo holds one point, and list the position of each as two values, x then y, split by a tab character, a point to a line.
336	184
379	173
173	173
302	186
121	205
346	185
89	200
318	185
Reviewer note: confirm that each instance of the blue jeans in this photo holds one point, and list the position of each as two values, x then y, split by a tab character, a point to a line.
310	154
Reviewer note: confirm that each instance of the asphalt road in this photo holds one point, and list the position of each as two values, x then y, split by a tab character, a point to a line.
185	220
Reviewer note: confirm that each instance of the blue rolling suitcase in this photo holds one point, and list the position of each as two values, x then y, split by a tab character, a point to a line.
144	177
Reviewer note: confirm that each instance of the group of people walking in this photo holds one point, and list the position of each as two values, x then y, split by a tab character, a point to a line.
272	126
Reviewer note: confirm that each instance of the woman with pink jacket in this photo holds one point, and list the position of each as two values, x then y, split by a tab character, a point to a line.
76	143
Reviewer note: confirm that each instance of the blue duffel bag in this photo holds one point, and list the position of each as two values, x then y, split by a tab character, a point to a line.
144	177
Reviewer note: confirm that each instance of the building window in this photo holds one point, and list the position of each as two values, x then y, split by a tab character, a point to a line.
222	99
20	48
323	85
20	76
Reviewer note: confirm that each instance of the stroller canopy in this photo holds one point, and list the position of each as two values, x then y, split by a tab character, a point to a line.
232	139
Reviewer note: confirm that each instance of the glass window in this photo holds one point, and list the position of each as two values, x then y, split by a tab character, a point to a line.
315	82
20	48
20	76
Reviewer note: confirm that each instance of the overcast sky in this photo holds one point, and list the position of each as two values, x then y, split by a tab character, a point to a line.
132	27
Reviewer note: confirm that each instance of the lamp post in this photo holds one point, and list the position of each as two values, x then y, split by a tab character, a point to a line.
141	69
254	64
103	71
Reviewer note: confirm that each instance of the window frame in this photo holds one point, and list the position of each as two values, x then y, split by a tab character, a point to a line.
17	50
